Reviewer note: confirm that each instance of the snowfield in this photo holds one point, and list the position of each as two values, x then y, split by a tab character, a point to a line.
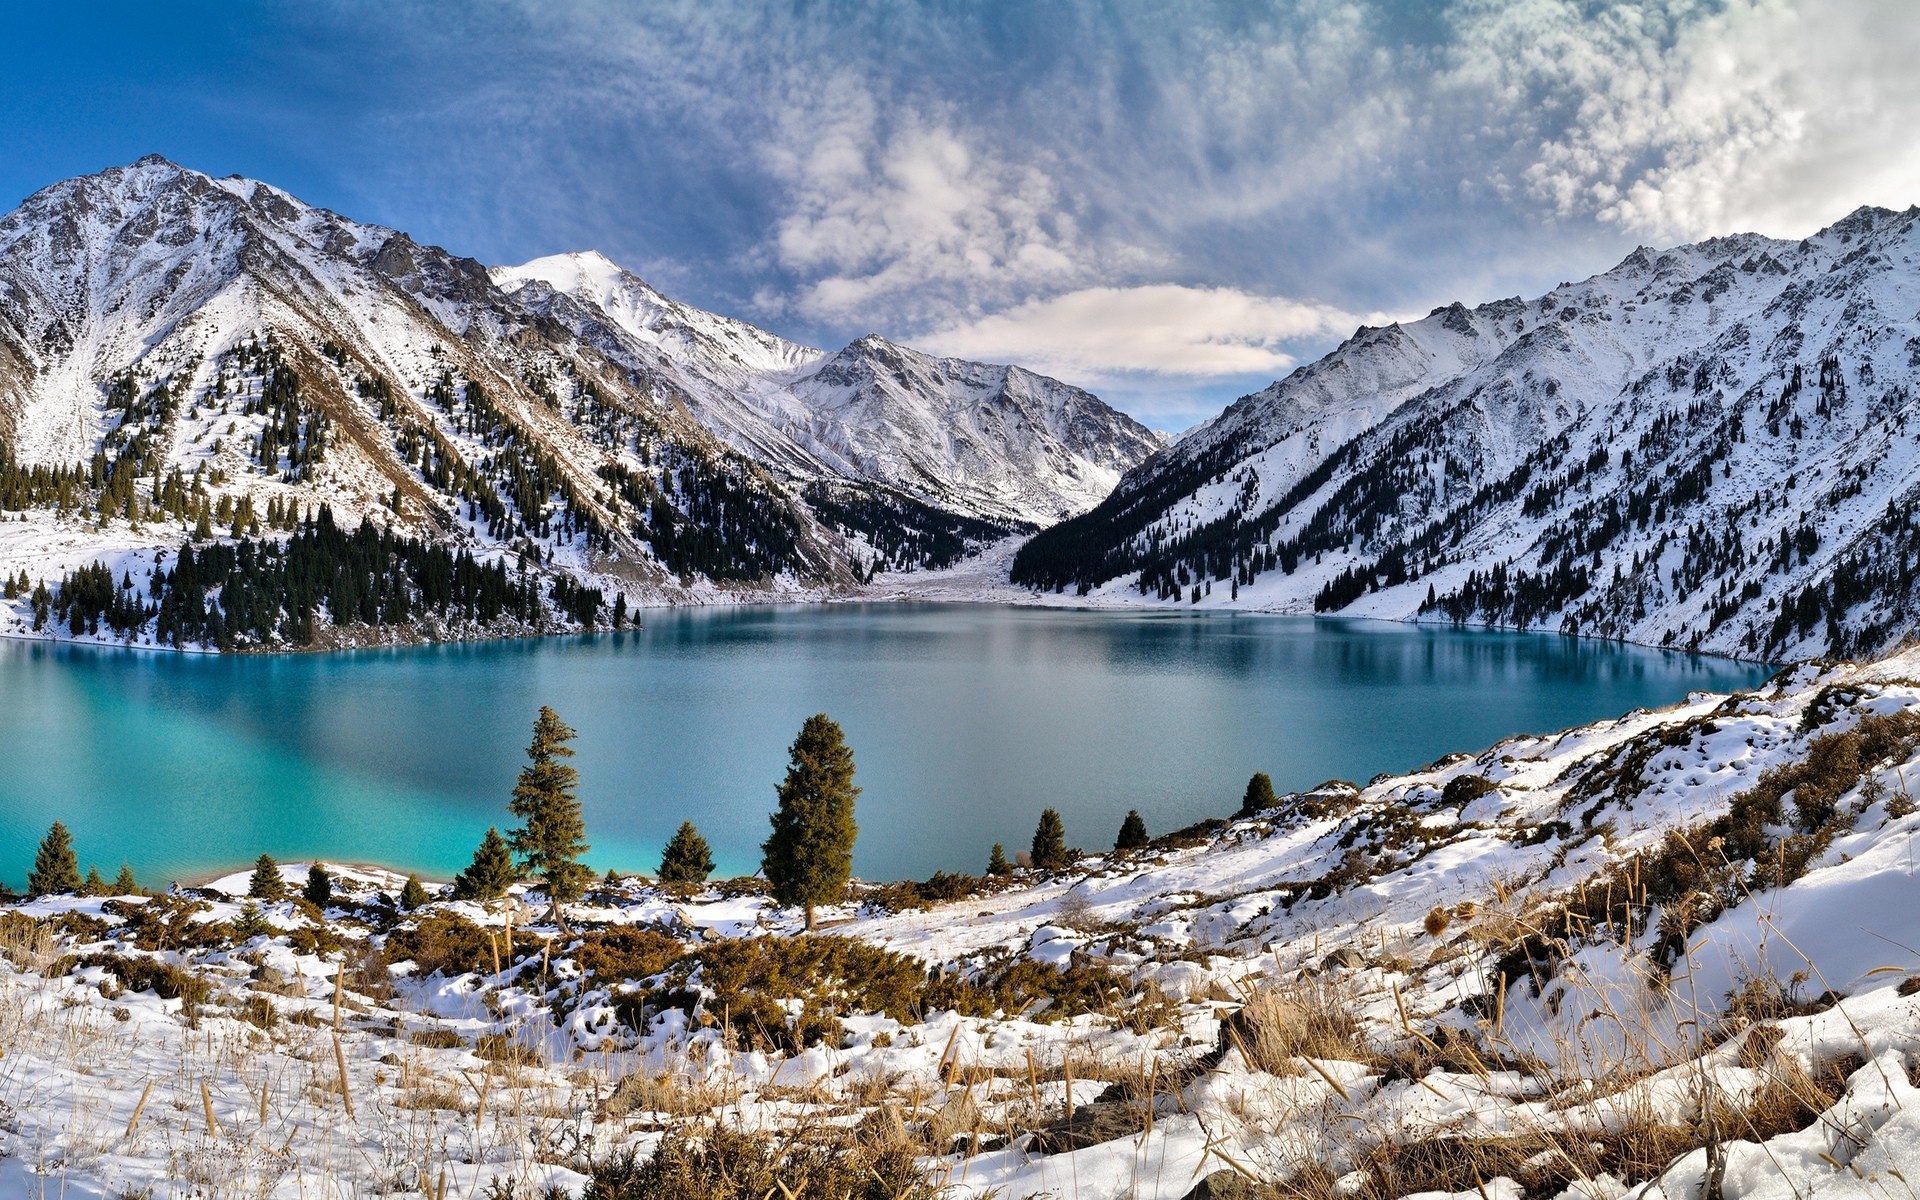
1673	954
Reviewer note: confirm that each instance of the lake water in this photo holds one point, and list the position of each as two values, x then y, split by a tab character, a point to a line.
965	721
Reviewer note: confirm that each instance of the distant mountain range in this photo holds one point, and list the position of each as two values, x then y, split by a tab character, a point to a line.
177	349
1712	447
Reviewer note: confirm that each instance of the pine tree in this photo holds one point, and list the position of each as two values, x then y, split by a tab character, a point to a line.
490	874
1259	797
251	922
550	843
687	859
997	863
319	888
1133	832
413	895
124	884
266	883
809	858
55	869
1050	842
93	885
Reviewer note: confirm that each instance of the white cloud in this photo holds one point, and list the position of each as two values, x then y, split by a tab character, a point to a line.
1095	335
1679	120
905	214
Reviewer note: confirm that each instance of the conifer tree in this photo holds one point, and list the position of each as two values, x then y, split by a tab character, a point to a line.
319	888
490	874
55	869
1133	832
551	842
1259	797
93	885
687	859
997	863
1050	842
266	883
413	895
124	884
250	923
809	858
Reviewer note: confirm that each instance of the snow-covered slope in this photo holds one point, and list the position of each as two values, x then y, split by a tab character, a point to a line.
1711	446
993	442
182	354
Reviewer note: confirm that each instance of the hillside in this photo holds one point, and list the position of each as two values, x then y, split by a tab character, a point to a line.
1669	954
187	361
1710	447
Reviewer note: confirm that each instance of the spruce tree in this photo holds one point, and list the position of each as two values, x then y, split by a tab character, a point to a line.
551	842
687	858
93	885
124	884
809	858
1133	832
55	869
413	895
266	883
997	863
1259	797
250	923
319	888
1050	842
490	874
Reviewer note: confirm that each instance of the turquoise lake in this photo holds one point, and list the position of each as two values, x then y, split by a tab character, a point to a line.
965	721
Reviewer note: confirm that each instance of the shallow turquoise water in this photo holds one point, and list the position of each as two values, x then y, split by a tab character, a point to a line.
966	720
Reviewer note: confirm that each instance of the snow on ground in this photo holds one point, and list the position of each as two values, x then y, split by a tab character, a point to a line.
1792	1016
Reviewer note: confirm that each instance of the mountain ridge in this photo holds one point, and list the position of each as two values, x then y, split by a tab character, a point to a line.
1539	463
175	349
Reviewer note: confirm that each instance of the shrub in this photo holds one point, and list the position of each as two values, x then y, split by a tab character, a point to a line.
166	923
1462	790
727	1164
626	953
452	945
152	975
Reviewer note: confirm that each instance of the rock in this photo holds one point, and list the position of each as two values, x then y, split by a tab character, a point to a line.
1225	1185
958	1117
1090	1125
1345	958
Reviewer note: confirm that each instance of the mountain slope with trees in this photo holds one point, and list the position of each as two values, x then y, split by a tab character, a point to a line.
187	361
1711	447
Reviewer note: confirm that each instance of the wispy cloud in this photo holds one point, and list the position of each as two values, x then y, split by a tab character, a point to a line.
1147	191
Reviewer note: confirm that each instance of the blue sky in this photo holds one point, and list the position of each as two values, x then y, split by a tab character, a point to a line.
1169	203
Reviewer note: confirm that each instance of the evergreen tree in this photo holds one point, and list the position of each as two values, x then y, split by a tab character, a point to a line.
266	883
124	884
93	885
55	869
413	895
319	889
809	858
687	858
490	874
550	843
1259	797
997	863
1133	832
1050	842
251	922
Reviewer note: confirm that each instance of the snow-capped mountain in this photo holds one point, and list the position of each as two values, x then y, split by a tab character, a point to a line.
185	354
1713	446
993	442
